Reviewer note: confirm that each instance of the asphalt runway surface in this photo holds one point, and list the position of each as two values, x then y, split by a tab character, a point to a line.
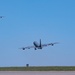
37	72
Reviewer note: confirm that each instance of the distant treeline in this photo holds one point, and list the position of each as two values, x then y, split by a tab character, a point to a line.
42	68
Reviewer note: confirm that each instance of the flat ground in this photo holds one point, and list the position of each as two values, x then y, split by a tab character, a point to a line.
39	68
37	72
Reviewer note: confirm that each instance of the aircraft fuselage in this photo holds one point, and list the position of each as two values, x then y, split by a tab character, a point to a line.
37	45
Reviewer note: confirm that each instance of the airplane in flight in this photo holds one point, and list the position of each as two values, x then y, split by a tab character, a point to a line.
38	45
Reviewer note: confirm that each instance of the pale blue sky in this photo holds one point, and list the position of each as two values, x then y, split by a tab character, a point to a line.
26	21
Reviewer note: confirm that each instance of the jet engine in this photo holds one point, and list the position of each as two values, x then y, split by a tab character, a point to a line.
52	44
23	48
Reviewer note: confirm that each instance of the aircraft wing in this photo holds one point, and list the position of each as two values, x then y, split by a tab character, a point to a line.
28	47
52	44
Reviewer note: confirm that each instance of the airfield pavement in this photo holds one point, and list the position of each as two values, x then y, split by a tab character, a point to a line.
37	72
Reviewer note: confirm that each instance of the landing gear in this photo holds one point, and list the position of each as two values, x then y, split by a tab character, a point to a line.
35	49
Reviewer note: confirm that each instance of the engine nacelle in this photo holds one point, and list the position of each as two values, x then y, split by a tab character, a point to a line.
52	44
23	48
40	48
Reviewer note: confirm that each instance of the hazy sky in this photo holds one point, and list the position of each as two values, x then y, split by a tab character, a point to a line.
26	21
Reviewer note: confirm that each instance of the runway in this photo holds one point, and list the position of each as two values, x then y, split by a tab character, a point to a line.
37	72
